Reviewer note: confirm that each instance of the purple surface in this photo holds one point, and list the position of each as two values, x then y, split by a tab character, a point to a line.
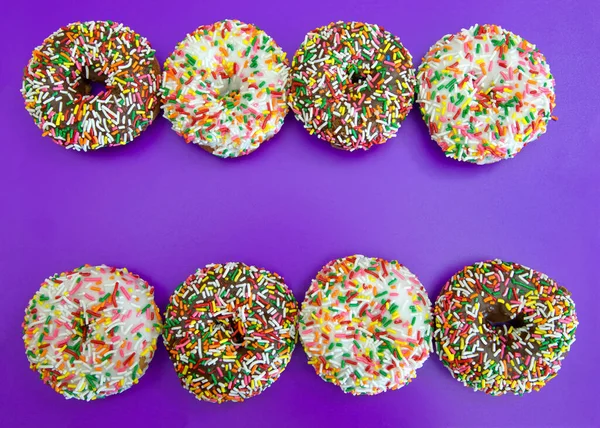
163	208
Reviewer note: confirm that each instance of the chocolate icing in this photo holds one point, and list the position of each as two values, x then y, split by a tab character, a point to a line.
228	324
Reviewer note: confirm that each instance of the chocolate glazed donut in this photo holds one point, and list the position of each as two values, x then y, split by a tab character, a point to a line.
57	85
502	327
230	331
352	84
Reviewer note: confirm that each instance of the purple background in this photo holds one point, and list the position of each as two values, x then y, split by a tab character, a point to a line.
163	208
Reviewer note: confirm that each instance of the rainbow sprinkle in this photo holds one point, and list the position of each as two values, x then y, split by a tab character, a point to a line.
230	331
224	88
484	94
92	332
351	84
366	325
57	85
502	327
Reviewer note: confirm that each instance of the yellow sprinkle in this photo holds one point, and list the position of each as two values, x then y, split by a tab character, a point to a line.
448	354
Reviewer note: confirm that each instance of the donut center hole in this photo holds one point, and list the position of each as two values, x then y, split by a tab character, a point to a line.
235	329
356	76
237	337
81	327
94	86
231	91
489	97
499	319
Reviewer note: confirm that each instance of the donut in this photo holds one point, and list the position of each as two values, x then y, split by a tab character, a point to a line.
224	88
57	85
484	94
351	84
230	330
503	328
365	324
91	332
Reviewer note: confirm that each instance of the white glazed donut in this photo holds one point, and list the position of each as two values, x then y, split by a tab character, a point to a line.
225	88
91	332
366	325
485	93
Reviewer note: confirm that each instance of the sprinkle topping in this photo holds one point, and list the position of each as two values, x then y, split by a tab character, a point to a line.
365	324
57	85
230	331
485	93
502	327
224	88
351	84
91	332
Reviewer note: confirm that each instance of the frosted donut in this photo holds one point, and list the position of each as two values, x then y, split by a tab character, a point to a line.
352	84
57	85
365	324
224	88
485	93
230	331
91	332
503	328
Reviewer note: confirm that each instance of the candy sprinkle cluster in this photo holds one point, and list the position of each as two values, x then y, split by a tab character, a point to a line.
57	85
230	331
485	93
502	327
365	324
92	332
224	88
351	84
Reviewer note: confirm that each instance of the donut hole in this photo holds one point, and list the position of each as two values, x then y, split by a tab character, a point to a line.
501	319
94	87
356	76
81	327
234	327
97	88
486	92
230	93
237	338
489	97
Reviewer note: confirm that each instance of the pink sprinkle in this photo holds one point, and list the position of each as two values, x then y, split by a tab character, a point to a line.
124	291
181	345
126	315
137	328
76	288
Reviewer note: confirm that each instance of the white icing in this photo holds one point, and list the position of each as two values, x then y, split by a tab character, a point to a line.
462	56
410	322
196	96
52	327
